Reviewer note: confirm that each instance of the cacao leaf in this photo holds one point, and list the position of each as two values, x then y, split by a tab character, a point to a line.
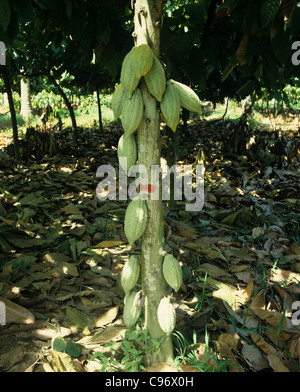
268	11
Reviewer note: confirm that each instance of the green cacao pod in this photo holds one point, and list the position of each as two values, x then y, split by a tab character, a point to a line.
132	112
118	100
188	98
166	316
128	77
156	79
172	272
132	309
127	149
170	106
130	274
135	219
142	59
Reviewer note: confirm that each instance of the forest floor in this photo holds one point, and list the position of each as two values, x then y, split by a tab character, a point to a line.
62	251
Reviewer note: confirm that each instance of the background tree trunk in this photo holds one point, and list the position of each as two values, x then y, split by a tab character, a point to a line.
147	22
68	104
5	100
5	76
99	111
26	108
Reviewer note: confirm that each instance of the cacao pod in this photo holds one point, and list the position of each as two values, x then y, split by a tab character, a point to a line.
135	219
127	149
130	274
132	112
188	98
132	309
117	101
166	316
172	272
156	79
142	59
170	106
128	77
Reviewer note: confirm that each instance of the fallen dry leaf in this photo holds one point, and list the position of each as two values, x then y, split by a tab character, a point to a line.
107	317
277	364
15	313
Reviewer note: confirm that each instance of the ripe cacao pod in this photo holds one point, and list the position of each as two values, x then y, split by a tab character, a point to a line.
128	77
156	79
188	98
127	149
172	272
170	106
132	309
132	112
135	219
117	101
166	316
130	274
142	59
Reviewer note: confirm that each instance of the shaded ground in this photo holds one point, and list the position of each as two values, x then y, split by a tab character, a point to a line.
62	251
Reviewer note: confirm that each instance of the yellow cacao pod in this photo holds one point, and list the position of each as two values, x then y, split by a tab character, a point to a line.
142	59
117	101
156	79
130	274
128	78
132	112
132	309
135	219
170	106
188	98
166	316
127	149
172	272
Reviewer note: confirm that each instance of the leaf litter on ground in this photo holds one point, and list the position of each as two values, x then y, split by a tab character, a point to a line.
62	252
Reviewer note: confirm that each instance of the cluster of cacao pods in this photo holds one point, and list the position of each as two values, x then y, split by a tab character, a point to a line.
173	276
127	102
133	302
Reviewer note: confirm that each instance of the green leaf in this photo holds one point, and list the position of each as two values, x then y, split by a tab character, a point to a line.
282	47
4	14
73	349
59	344
268	11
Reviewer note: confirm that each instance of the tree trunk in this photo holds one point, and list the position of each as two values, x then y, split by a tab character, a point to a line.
68	104
147	22
5	100
12	110
172	153
99	111
26	108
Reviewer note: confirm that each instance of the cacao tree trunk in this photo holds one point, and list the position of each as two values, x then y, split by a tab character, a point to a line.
26	108
147	26
5	76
